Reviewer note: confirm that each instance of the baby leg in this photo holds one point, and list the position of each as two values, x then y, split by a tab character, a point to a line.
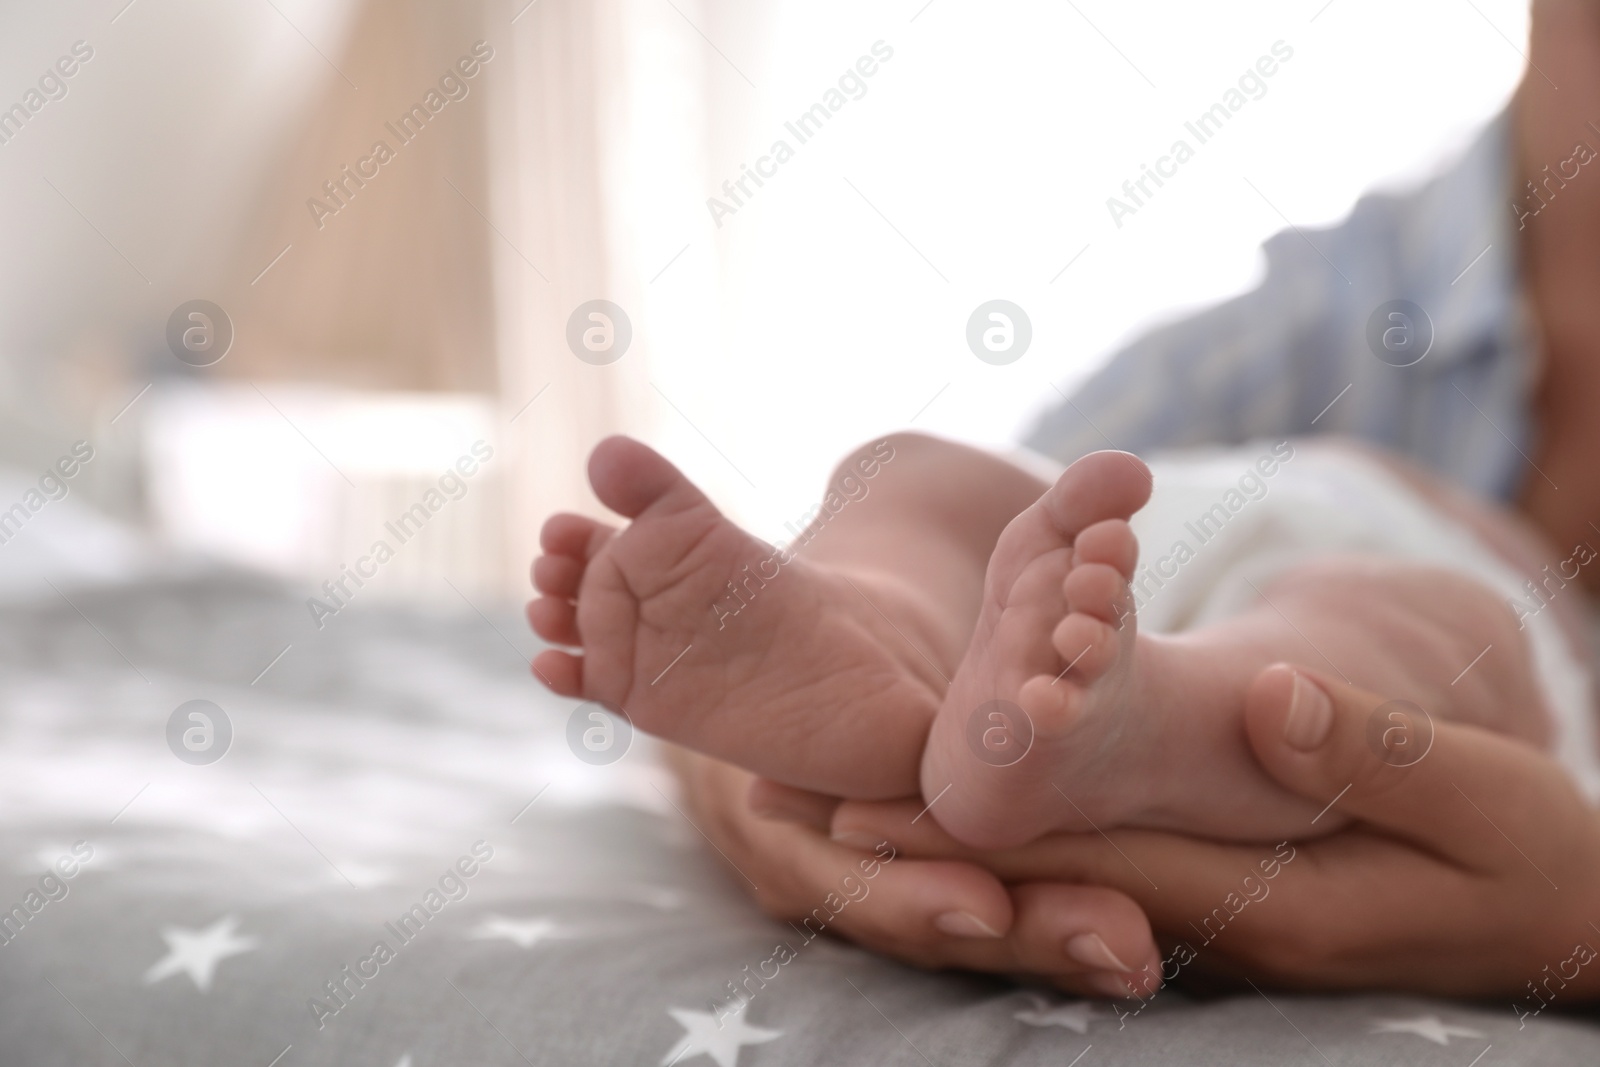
1122	727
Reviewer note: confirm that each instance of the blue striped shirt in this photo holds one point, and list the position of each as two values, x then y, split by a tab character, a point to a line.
1293	357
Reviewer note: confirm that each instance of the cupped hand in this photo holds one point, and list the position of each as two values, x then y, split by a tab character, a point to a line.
931	912
1475	864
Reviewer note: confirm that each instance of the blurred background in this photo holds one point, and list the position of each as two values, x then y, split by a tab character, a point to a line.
373	330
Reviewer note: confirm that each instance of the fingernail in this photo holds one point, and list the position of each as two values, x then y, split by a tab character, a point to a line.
1310	715
1091	950
856	839
964	924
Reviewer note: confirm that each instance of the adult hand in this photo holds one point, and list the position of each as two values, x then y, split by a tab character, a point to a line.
1474	870
930	912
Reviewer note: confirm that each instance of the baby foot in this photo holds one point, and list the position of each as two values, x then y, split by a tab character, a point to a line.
712	638
1046	705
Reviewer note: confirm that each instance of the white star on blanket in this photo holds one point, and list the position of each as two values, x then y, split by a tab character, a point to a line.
197	952
721	1039
1428	1027
1075	1015
524	933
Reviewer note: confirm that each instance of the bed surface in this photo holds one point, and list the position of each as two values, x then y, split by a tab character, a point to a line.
213	906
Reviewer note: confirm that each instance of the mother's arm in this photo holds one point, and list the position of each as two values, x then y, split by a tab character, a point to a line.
1474	871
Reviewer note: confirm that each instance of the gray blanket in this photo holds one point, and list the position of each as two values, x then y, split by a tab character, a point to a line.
399	861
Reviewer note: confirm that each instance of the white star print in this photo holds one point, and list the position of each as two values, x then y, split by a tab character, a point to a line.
1429	1027
1075	1016
524	933
706	1035
197	952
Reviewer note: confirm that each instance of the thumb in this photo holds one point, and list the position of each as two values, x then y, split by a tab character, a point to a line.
1390	764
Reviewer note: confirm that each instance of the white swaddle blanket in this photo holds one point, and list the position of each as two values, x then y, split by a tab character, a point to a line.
1222	523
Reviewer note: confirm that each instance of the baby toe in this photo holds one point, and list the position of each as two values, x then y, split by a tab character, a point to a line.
577	536
1098	590
1111	542
561	672
1052	704
558	576
1087	646
555	620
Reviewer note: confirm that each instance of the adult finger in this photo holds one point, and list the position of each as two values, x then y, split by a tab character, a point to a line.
903	823
1132	861
1175	879
794	870
1079	937
934	913
767	799
1146	878
1092	857
1457	790
936	905
1089	934
1085	929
